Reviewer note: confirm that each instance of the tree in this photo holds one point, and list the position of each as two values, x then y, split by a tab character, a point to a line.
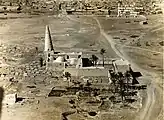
121	84
41	61
94	59
67	75
109	12
127	75
60	6
5	8
114	78
102	51
19	8
88	83
26	2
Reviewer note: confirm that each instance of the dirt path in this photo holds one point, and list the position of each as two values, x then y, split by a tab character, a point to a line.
152	90
157	29
143	49
109	38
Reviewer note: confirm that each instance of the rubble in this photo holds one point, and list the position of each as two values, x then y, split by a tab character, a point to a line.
10	99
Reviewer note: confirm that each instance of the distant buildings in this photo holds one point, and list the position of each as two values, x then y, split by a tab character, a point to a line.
99	7
128	10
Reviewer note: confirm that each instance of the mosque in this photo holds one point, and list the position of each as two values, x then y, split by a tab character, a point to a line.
76	63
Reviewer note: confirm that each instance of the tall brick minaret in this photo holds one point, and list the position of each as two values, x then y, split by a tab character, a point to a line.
48	40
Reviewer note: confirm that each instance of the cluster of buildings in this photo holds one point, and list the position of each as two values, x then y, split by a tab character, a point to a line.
93	79
128	10
98	7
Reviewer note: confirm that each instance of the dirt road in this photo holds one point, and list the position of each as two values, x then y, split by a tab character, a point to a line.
152	91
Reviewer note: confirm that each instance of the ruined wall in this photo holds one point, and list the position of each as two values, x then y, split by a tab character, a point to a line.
87	72
55	66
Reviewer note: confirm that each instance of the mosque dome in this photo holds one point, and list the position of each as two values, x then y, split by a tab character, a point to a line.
59	59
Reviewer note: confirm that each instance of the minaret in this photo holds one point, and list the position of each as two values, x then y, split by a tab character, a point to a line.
118	11
119	5
48	40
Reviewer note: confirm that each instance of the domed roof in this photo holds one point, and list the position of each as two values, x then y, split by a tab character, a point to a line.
59	59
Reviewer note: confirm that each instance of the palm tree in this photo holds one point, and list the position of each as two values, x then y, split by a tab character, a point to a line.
102	51
94	59
121	84
67	75
114	78
127	75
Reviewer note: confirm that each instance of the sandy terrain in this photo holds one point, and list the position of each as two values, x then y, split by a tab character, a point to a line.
88	35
